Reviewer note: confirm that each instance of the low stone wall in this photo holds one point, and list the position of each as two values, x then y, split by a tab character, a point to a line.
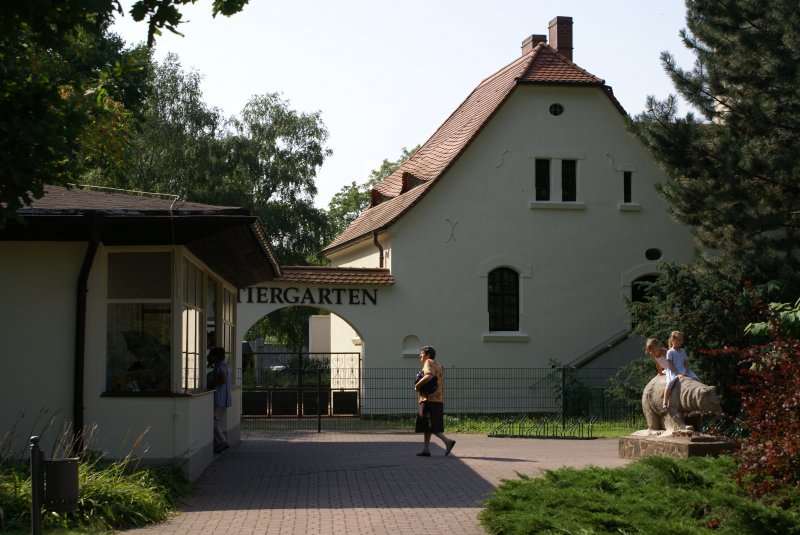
636	447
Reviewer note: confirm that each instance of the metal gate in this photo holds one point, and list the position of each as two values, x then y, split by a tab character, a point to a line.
302	384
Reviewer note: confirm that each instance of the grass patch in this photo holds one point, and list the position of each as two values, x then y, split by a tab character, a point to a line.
652	495
112	496
486	424
479	424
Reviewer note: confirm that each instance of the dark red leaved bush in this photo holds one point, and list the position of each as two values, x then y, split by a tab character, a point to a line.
769	458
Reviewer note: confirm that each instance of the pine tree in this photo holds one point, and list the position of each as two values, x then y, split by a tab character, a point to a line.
734	168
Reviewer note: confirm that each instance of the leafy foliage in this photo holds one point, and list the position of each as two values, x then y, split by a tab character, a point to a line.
286	327
165	14
266	160
769	459
712	309
628	383
66	88
172	148
785	315
734	174
275	153
653	495
56	66
112	495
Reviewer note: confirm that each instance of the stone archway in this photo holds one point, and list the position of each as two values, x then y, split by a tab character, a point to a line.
353	311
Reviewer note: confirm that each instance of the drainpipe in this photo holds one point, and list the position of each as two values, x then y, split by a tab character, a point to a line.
95	225
378	245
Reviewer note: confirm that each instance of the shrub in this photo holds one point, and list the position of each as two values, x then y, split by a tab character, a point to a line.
652	495
769	459
712	309
112	494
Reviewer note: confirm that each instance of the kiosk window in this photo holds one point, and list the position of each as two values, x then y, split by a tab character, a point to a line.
139	322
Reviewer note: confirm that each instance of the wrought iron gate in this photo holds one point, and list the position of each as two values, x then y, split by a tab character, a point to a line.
302	384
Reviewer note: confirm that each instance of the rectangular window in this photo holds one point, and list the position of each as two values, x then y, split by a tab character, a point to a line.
139	322
211	313
569	180
193	327
542	180
503	300
627	179
229	332
220	322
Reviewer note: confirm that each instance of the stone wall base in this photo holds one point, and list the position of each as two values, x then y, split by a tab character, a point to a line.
636	447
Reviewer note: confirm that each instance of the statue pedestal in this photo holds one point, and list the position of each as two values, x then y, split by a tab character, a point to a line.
676	445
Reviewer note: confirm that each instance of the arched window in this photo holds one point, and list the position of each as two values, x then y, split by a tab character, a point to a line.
639	287
503	300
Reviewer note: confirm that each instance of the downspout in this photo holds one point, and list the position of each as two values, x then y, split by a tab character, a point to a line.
378	245
95	225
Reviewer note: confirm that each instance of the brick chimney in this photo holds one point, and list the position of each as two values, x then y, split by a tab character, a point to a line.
561	36
529	43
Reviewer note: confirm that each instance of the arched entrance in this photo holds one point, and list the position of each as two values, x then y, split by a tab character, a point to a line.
325	378
307	378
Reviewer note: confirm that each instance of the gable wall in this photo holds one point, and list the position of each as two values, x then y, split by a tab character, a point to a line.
573	263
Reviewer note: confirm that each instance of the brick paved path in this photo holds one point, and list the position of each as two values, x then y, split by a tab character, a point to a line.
340	482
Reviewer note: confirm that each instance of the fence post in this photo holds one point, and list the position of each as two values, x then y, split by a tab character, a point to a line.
319	400
563	398
300	373
36	486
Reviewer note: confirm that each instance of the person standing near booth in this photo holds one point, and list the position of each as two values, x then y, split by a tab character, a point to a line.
219	378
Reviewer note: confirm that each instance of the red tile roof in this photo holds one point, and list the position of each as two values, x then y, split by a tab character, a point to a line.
402	189
341	276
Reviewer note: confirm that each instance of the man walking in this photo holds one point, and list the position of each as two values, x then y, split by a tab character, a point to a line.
430	414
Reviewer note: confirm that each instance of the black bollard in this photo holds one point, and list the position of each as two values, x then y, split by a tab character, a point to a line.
37	486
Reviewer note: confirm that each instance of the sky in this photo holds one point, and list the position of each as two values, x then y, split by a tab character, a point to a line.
385	75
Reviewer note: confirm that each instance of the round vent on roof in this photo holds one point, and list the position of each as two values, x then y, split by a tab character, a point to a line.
556	109
653	254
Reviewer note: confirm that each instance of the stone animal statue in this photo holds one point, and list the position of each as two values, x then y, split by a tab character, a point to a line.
687	395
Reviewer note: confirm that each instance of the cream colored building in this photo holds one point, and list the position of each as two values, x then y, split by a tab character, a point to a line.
511	238
111	302
516	232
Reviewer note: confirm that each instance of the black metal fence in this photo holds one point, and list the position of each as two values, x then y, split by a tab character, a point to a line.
308	391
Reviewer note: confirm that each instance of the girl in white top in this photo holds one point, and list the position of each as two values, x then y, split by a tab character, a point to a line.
657	352
677	365
659	355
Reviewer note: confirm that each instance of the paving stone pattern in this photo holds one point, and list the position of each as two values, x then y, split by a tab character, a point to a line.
342	482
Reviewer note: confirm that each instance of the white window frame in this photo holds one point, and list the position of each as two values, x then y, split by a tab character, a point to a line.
107	300
192	325
525	271
556	157
633	205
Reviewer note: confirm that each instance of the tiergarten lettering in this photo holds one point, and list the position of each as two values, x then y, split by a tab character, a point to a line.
308	296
